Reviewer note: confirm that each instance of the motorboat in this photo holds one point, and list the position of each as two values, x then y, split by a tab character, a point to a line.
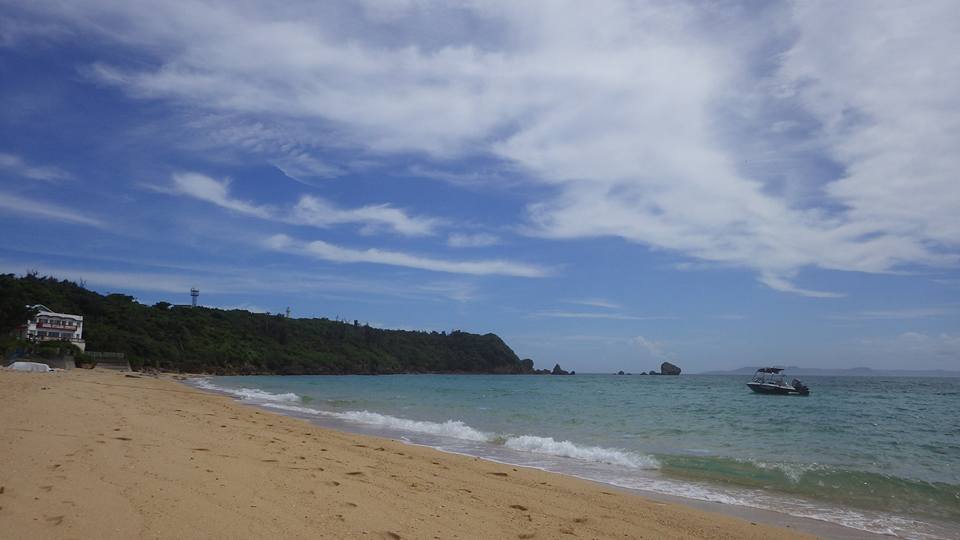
770	380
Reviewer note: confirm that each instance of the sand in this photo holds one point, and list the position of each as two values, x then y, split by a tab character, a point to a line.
90	454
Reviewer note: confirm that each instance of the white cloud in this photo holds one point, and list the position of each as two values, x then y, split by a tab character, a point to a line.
778	283
653	348
893	314
456	291
47	173
114	280
598	315
216	280
913	350
472	240
207	189
15	204
310	210
331	252
648	120
314	211
15	31
594	302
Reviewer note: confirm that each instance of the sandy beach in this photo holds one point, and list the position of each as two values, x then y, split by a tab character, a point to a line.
90	454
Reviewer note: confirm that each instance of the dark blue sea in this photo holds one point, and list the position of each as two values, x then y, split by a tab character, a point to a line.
876	454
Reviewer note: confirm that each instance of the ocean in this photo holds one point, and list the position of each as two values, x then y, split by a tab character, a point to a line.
875	454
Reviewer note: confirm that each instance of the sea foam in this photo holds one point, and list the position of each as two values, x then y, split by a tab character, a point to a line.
456	429
250	394
549	446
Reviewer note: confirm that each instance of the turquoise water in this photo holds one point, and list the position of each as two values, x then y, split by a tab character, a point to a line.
877	454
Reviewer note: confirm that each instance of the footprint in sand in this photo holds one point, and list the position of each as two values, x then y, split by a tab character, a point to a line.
46	488
55	520
498	474
355	473
391	535
520	507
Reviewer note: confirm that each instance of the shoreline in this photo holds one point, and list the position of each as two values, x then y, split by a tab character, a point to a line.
810	525
108	455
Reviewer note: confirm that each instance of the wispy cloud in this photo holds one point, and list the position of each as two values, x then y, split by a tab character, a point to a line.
932	349
331	252
115	280
222	279
893	314
676	103
47	173
779	283
729	317
15	204
463	240
594	302
599	315
452	290
207	189
656	349
314	211
309	210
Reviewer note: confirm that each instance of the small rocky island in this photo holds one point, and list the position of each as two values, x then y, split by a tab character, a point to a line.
666	368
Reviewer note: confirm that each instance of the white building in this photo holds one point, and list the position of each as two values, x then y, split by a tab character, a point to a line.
47	325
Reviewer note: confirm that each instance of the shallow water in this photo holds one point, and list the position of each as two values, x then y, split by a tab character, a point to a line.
877	454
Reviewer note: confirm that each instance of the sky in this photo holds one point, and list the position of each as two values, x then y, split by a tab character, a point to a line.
606	185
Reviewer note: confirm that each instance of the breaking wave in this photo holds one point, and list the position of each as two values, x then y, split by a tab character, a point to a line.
547	445
454	429
249	394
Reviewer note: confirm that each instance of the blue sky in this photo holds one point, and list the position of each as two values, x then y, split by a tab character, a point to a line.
605	185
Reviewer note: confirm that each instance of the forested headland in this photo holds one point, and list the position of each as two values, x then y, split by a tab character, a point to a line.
208	340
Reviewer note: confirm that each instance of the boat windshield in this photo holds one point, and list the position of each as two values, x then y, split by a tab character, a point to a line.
770	378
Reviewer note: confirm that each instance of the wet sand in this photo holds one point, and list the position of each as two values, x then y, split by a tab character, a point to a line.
91	454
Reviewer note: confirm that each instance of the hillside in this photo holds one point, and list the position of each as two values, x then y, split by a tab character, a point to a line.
205	340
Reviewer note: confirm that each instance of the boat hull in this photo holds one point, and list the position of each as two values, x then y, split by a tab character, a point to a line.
763	388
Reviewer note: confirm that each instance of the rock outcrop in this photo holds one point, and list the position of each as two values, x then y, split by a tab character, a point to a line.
557	370
667	368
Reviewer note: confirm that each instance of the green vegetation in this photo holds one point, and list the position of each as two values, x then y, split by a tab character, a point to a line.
204	340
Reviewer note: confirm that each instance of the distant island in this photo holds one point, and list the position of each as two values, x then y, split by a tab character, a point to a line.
666	368
206	340
850	372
